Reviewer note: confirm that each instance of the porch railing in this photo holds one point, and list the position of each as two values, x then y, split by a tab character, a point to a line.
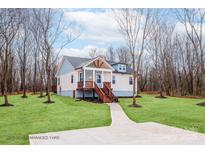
80	84
88	84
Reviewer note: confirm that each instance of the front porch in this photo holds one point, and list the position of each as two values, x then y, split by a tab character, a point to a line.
96	78
96	81
88	77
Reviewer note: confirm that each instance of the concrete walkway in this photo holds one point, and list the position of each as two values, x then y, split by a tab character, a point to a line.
121	131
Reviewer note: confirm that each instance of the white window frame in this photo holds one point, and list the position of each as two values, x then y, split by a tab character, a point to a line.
114	79
81	76
130	79
59	81
72	79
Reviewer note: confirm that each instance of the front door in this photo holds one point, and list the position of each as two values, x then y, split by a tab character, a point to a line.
98	79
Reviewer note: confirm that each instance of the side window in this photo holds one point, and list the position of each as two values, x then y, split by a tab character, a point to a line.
81	76
130	80
58	81
72	78
113	79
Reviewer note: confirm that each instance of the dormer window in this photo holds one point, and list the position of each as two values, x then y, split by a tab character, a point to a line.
121	67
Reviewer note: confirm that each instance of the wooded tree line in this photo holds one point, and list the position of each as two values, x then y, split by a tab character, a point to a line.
27	58
164	59
176	62
171	62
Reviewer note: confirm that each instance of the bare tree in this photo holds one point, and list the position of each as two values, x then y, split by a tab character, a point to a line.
132	23
110	54
51	26
23	47
123	55
93	53
9	26
193	21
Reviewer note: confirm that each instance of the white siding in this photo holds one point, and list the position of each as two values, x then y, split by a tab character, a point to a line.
122	82
66	67
65	81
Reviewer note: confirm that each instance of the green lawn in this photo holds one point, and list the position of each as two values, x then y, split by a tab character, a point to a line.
30	116
178	112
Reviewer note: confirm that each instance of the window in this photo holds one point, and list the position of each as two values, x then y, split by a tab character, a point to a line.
130	80
72	78
81	76
98	78
58	81
113	79
121	67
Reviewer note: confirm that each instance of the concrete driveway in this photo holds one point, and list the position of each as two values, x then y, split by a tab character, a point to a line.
121	131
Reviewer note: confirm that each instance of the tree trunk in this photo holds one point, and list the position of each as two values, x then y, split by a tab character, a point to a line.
6	102
41	86
34	76
24	84
49	85
134	89
2	88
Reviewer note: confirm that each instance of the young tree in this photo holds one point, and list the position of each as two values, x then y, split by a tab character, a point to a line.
135	26
51	29
24	48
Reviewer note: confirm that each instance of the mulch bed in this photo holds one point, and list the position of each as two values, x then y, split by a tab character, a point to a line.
135	105
51	102
163	97
24	96
6	105
138	96
201	104
41	96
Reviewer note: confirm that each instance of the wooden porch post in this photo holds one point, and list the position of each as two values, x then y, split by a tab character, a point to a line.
83	94
93	94
102	79
84	78
111	80
93	77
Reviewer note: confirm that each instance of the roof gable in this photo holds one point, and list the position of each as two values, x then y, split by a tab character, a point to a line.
98	62
78	62
64	67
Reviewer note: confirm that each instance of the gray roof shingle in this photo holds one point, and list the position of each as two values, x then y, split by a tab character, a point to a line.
78	62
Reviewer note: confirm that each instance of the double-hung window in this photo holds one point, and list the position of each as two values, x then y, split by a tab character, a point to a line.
113	79
58	81
130	81
72	78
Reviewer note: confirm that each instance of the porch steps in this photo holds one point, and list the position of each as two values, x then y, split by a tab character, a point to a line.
107	90
105	94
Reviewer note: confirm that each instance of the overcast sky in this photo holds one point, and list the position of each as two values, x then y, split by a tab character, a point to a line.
98	30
